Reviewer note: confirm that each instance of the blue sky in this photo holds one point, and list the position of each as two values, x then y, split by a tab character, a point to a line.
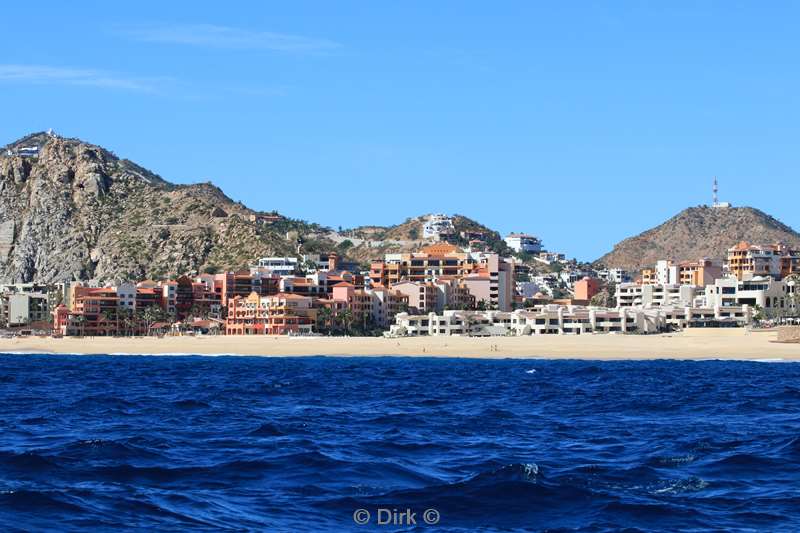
583	123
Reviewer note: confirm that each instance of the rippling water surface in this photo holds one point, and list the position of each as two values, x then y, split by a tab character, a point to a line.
300	444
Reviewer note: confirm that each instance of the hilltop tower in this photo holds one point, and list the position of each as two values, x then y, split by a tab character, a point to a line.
715	196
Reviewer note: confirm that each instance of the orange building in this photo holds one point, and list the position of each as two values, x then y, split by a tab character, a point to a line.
93	311
488	277
377	305
747	260
586	288
277	314
649	276
440	259
242	283
699	273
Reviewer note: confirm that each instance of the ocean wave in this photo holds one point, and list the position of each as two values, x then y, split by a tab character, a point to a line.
253	443
190	403
38	501
27	462
267	430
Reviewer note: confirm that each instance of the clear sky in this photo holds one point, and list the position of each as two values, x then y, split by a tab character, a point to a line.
582	122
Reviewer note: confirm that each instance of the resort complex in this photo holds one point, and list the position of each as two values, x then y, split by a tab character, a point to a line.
442	288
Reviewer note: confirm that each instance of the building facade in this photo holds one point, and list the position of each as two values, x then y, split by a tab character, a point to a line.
523	243
745	261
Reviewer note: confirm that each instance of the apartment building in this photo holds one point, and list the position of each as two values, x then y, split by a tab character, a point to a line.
436	296
423	296
649	276
386	304
745	261
548	320
566	320
377	305
771	295
654	295
24	304
548	258
614	275
488	277
278	314
700	273
282	266
667	272
706	317
586	288
438	227
523	243
23	309
93	312
243	282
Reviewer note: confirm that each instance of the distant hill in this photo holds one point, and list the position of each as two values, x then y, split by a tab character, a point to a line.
372	242
699	232
73	210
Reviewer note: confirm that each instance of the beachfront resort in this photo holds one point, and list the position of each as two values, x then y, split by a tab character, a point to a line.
441	289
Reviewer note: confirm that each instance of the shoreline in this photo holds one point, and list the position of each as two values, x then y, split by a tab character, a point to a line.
729	344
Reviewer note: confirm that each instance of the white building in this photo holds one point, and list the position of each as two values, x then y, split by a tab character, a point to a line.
698	317
23	308
566	320
522	242
547	320
656	295
529	289
548	258
570	276
126	294
547	283
614	275
283	266
773	296
437	226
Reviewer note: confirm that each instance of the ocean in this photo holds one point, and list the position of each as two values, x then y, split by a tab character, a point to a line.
191	443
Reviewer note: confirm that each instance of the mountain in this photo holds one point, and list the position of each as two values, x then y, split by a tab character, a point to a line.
73	210
699	232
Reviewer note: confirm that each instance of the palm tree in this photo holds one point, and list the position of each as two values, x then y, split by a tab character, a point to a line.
150	315
198	312
126	314
346	319
324	316
81	320
793	283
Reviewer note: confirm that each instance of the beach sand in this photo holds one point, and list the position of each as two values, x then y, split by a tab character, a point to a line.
691	344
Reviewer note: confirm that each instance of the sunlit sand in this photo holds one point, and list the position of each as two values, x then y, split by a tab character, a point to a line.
692	344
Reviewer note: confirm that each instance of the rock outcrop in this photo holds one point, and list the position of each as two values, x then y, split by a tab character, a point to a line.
73	210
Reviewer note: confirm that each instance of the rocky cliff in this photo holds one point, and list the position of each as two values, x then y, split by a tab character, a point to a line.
72	210
699	232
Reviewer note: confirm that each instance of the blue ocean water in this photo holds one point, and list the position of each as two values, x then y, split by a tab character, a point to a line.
301	444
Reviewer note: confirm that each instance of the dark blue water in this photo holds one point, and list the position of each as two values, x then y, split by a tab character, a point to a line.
300	444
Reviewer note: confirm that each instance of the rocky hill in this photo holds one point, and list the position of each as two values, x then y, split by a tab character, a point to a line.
370	242
699	232
72	210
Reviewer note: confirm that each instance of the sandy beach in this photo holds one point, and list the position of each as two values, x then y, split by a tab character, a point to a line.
692	344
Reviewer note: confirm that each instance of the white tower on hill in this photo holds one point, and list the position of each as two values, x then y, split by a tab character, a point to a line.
717	203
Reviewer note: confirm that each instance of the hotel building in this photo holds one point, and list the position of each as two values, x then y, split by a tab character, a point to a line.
523	243
745	260
488	277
